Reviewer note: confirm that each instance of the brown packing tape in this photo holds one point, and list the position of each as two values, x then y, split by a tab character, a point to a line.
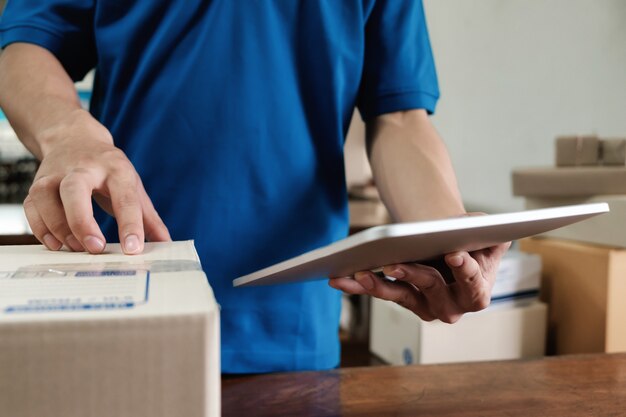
577	150
569	181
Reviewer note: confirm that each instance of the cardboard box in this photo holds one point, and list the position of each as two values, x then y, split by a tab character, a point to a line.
613	151
107	335
600	230
519	274
577	150
584	286
508	331
569	181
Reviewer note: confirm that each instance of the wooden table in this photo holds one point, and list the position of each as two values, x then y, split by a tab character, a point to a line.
18	240
584	385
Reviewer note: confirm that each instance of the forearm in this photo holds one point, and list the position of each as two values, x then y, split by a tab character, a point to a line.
412	167
37	95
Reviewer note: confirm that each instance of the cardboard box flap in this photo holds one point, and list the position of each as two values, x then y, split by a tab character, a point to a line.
14	257
37	284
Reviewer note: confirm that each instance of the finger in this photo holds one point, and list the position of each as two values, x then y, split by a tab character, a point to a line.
426	279
128	212
431	285
489	259
38	227
399	292
154	228
471	290
502	248
45	196
75	191
347	285
494	253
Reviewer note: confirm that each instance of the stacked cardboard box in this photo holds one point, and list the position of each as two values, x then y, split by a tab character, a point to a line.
584	286
588	169
107	335
606	229
552	187
585	263
513	327
518	277
589	150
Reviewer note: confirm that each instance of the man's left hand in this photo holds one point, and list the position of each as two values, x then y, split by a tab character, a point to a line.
423	290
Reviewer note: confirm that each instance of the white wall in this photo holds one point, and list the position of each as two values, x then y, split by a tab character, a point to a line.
515	73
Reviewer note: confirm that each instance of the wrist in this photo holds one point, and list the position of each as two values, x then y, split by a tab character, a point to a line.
76	124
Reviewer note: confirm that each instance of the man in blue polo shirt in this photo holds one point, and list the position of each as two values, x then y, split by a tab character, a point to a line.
228	118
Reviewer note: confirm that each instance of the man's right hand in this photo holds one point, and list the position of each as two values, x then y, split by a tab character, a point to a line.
80	161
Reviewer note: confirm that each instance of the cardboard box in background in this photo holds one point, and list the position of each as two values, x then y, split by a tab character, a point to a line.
577	150
107	335
513	327
614	151
568	181
500	332
519	275
607	229
585	287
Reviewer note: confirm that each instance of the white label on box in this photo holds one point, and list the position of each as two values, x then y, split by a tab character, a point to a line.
58	289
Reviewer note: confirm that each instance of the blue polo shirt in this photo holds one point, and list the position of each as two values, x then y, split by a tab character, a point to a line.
234	113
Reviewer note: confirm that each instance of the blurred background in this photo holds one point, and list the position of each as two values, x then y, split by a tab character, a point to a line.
514	76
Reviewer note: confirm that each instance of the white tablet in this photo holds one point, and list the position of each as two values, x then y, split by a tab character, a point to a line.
420	241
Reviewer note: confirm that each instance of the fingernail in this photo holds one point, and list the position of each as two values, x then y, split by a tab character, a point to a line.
73	244
131	244
93	244
333	283
51	242
455	261
365	280
397	273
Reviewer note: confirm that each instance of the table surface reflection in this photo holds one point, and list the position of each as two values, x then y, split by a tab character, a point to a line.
582	385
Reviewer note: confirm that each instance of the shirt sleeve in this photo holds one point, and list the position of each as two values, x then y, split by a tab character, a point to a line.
398	69
64	27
